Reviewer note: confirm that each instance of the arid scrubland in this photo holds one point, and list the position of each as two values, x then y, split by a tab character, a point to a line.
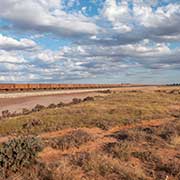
128	135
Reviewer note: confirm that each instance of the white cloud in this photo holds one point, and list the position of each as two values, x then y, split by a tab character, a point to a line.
8	57
118	15
120	40
49	56
165	16
8	43
46	16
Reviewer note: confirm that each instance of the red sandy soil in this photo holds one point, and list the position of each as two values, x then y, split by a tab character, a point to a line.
96	132
101	137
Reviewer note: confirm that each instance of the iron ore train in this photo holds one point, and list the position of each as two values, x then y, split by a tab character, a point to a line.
31	87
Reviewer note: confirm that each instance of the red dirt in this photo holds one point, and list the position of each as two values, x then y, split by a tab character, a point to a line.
50	154
5	139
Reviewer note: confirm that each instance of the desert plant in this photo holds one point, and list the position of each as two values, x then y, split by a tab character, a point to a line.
88	99
73	139
121	150
6	113
25	111
60	104
105	167
104	124
52	106
78	159
32	123
38	107
18	153
65	171
76	101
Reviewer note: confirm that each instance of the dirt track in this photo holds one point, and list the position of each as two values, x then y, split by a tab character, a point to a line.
18	103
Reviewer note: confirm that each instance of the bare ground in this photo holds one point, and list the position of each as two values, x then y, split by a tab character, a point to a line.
16	104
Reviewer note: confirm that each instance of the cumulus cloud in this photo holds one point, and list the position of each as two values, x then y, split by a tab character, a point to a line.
8	43
127	39
10	57
46	16
118	15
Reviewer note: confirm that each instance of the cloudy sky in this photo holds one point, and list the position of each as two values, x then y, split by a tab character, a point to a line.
90	41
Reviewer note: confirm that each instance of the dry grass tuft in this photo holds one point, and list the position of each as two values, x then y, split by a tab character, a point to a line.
72	139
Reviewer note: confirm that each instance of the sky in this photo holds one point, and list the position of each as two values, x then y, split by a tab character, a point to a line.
90	41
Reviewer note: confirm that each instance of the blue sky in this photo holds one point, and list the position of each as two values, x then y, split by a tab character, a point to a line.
90	41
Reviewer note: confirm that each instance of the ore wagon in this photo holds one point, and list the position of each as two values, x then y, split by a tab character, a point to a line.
33	86
7	87
21	87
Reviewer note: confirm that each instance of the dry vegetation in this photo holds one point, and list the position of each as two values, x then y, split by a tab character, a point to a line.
123	136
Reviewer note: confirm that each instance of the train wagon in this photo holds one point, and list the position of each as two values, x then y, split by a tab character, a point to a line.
31	87
7	87
21	87
54	86
44	86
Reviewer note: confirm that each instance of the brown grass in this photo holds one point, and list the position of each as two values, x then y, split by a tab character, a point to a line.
104	112
124	136
72	139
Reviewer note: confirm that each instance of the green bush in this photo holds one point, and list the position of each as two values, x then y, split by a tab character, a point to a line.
18	153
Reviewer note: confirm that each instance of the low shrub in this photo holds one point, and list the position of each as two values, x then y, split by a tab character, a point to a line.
37	108
51	106
6	114
60	104
32	123
104	124
120	135
65	171
104	167
146	156
25	111
88	99
119	150
39	171
76	101
157	167
18	153
73	139
80	158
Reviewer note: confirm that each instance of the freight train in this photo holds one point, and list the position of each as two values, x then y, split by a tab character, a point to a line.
31	87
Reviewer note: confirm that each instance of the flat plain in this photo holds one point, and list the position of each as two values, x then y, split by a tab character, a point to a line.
124	133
